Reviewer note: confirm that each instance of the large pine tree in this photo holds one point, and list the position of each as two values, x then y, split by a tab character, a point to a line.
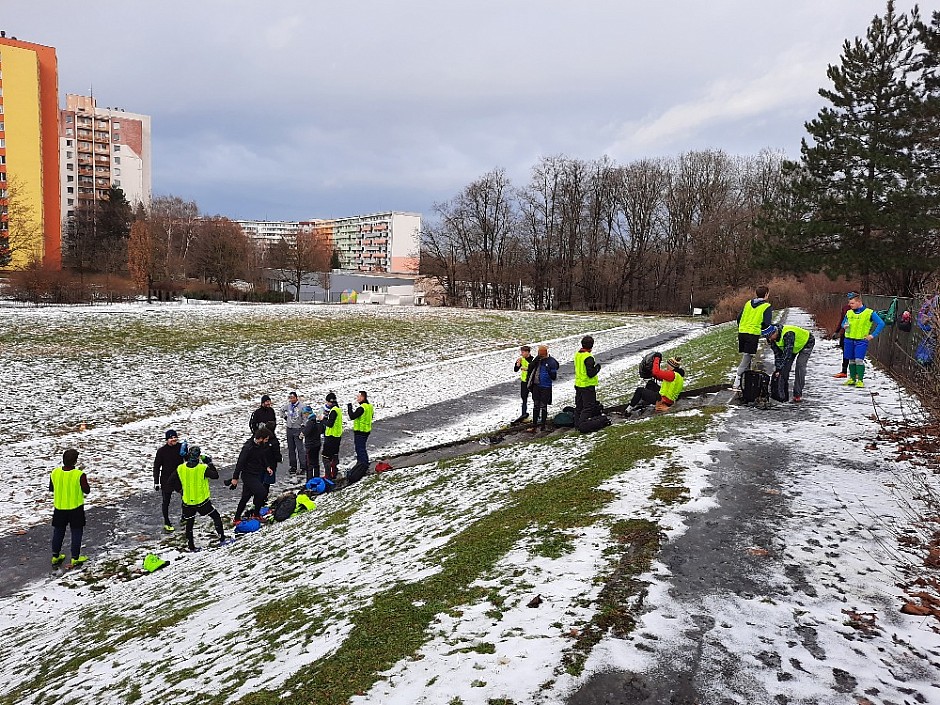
861	201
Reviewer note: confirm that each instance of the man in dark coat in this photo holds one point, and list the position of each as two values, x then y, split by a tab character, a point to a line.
264	414
254	467
165	478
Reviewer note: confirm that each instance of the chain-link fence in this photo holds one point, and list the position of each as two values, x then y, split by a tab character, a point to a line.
908	348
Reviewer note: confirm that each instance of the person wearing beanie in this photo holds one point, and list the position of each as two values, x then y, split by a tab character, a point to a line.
194	475
165	479
313	439
255	469
663	389
789	343
543	370
68	485
585	376
332	436
756	315
859	333
264	414
361	417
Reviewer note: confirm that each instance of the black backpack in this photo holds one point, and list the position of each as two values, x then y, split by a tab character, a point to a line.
779	387
283	507
646	365
356	473
595	423
589	411
754	386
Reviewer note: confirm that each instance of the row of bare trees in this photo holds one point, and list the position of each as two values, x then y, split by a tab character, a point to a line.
658	234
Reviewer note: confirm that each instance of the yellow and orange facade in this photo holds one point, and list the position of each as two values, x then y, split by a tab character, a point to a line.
29	152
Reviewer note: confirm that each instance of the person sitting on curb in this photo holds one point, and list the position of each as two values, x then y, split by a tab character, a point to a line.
543	370
194	476
662	395
68	485
789	342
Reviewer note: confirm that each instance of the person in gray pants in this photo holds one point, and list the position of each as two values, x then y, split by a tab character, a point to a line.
292	412
789	343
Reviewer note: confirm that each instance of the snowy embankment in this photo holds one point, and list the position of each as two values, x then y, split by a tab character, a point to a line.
414	586
110	381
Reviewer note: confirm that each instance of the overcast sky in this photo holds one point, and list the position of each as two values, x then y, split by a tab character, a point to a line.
289	110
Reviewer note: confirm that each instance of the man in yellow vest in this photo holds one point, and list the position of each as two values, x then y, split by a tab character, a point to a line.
362	425
586	369
789	343
858	324
522	367
332	436
756	315
194	476
68	485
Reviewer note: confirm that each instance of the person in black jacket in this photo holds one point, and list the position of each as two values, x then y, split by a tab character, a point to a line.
254	466
165	478
313	430
264	414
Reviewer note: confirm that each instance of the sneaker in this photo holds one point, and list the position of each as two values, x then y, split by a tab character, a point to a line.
797	400
226	541
660	406
860	384
849	382
169	528
841	375
58	560
78	561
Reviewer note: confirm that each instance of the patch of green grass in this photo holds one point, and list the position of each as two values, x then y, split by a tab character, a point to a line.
669	489
552	543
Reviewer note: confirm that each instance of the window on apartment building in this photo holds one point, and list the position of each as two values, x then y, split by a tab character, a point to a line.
70	178
116	125
71	202
3	159
68	143
2	126
68	119
117	137
117	172
69	132
3	142
117	160
117	182
68	155
70	189
3	176
70	167
117	148
3	193
1	108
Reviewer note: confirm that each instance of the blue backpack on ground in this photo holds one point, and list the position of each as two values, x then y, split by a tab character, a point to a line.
319	485
247	526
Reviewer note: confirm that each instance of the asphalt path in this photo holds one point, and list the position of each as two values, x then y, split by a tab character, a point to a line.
136	520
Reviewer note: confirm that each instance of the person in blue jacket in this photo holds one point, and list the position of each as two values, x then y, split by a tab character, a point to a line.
857	325
543	370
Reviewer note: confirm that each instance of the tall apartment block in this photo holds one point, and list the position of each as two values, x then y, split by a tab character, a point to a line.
29	152
100	147
381	242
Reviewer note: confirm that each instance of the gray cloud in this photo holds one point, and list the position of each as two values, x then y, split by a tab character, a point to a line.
301	109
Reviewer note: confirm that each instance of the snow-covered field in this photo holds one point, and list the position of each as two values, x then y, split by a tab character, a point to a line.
110	380
446	557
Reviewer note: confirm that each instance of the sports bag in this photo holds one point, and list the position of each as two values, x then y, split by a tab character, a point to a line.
646	365
595	423
283	507
247	526
779	387
563	418
356	472
754	386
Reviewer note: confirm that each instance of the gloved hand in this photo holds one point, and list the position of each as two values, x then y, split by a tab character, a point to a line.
232	484
157	487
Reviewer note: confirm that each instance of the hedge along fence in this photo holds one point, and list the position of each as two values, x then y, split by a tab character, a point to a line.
896	350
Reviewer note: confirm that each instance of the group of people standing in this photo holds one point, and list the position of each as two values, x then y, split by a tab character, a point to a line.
537	374
792	346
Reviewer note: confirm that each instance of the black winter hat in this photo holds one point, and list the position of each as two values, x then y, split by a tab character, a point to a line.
171	434
264	398
331	397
